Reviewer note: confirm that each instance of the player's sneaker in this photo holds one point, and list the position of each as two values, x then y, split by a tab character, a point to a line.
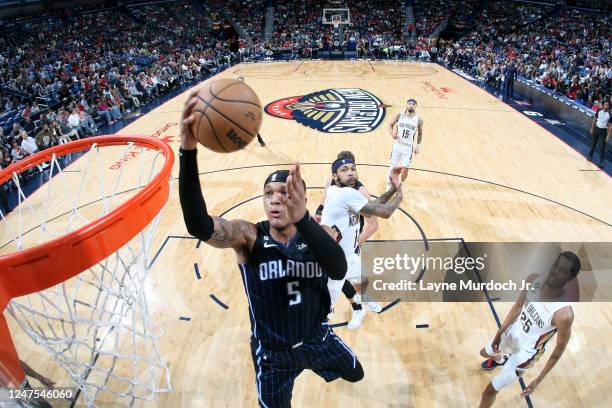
356	319
373	306
490	363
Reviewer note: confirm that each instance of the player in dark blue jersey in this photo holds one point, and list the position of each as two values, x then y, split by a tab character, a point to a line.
285	263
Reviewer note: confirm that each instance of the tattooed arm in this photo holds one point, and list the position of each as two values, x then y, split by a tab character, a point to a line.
385	207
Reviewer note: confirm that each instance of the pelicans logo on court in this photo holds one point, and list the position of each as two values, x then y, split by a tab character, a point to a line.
338	110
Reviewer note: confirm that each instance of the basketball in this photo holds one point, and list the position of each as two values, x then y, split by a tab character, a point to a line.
228	115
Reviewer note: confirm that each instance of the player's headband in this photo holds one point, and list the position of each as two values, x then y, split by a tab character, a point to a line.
412	100
279	176
341	162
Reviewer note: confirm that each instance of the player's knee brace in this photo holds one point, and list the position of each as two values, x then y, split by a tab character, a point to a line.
356	374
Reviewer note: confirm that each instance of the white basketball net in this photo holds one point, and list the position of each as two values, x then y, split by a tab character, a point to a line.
97	324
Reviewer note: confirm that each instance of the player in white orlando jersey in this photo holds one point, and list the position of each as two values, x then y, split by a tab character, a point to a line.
343	204
409	126
537	315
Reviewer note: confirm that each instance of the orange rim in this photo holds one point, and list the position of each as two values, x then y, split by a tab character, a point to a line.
59	259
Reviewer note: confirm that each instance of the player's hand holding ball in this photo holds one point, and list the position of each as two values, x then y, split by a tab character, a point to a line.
295	200
188	140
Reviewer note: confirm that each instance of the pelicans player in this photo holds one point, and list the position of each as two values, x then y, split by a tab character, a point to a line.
409	125
537	315
343	205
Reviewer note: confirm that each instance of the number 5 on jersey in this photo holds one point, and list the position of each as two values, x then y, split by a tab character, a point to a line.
295	297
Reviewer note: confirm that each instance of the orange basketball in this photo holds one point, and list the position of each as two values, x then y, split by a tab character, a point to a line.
228	115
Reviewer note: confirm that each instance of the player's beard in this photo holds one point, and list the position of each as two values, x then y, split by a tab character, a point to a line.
349	183
410	110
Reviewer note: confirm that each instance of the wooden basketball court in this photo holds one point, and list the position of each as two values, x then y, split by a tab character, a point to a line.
485	173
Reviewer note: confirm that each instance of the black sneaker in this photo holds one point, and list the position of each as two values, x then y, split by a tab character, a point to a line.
589	158
490	364
601	165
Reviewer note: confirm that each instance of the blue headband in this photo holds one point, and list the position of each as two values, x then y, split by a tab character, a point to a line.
279	176
412	100
341	162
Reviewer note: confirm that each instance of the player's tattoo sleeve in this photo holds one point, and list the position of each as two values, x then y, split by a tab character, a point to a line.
383	209
231	234
198	222
215	231
384	197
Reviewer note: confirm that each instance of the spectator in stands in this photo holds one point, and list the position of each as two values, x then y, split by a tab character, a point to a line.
15	132
35	109
28	143
17	152
75	122
63	132
45	138
104	109
87	123
600	132
28	125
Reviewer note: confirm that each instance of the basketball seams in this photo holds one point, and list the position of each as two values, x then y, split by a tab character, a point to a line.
209	104
233	100
202	114
213	94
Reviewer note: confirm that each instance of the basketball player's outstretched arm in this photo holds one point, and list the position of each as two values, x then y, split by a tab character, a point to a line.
384	205
562	320
215	231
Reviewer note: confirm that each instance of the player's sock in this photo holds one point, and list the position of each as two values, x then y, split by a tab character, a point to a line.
500	360
356	306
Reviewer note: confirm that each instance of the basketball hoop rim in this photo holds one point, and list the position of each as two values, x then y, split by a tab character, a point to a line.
47	264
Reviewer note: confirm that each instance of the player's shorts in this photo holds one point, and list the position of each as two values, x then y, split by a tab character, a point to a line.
519	361
353	275
276	370
353	270
401	155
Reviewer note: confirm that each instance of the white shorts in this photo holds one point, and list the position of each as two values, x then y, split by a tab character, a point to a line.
401	155
518	362
353	270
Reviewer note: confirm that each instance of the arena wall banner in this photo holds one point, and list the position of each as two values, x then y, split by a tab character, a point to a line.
577	117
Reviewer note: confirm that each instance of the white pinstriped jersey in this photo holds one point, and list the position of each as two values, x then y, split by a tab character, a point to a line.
407	127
